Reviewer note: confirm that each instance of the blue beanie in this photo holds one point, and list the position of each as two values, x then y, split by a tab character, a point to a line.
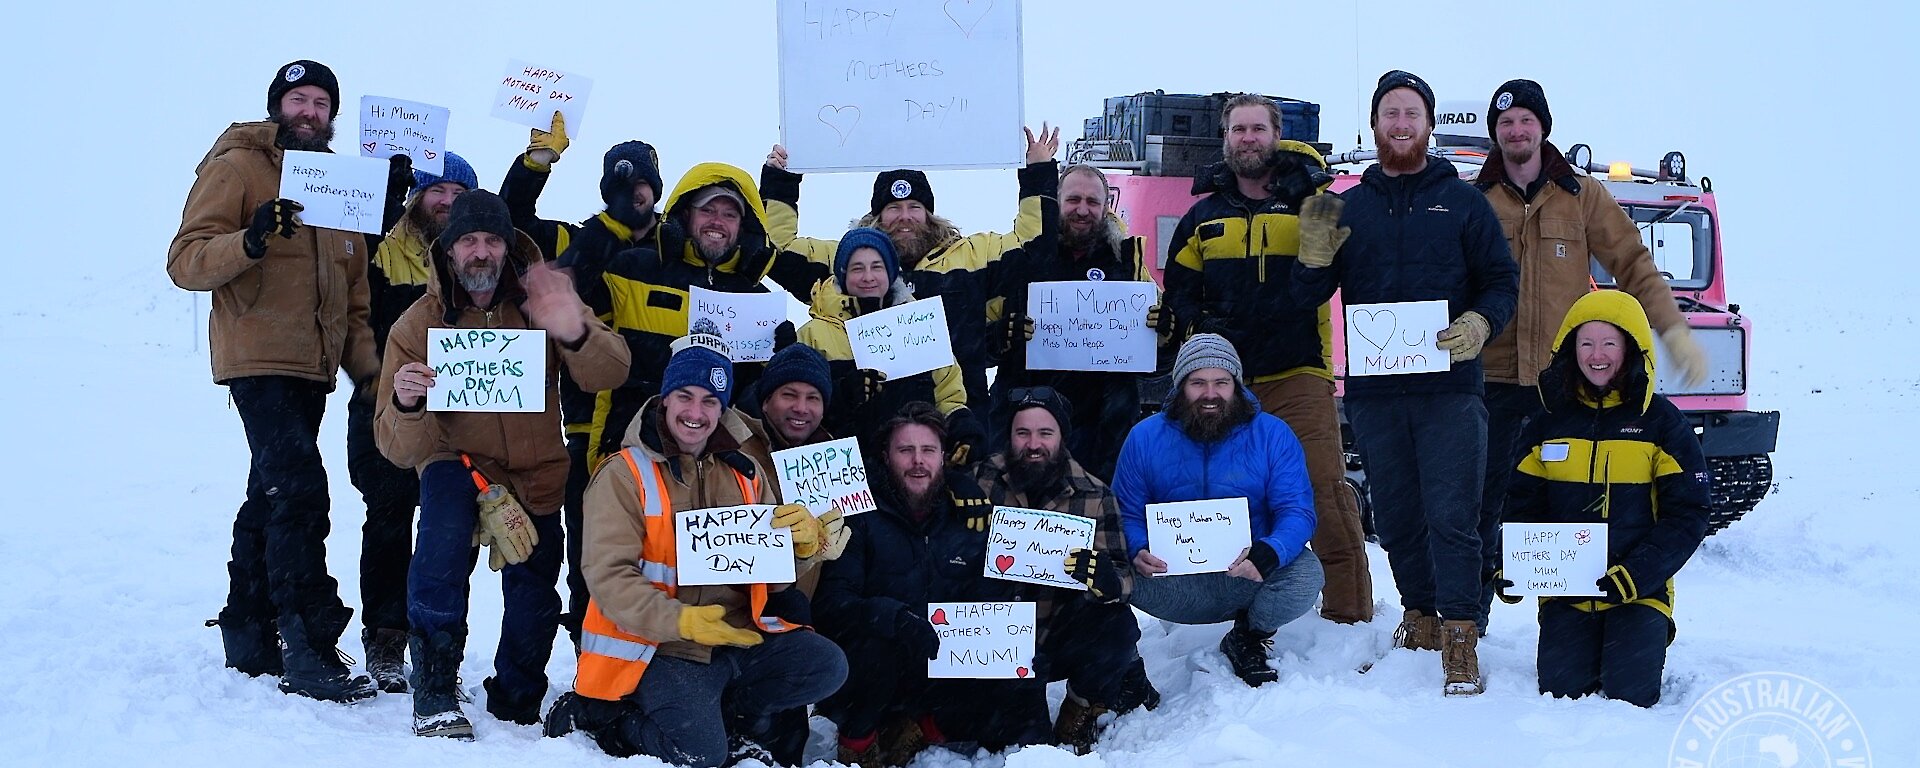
865	237
457	171
699	361
798	362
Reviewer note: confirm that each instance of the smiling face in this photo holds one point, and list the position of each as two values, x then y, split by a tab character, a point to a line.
1402	125
1600	349
866	274
903	218
914	456
437	200
643	199
714	226
305	117
477	258
1249	140
692	413
1519	132
1083	204
794	410
1035	436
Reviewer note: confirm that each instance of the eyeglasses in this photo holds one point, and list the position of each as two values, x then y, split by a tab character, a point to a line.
1032	395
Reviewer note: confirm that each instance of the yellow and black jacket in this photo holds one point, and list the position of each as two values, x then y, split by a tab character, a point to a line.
1230	268
1631	462
826	332
649	290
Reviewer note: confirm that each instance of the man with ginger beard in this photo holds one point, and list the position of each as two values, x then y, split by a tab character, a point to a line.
1088	636
1413	231
1214	442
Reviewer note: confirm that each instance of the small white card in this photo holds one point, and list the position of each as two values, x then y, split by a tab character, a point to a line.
1397	338
731	545
345	192
982	640
1031	546
1554	559
499	370
1554	451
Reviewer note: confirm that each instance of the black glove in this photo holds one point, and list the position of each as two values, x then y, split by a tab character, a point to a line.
1294	177
1618	586
399	183
966	438
859	387
913	631
1083	565
1162	320
1010	334
975	511
784	336
274	217
1500	586
1264	559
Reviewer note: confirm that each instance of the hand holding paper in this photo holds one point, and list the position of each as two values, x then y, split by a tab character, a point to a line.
1463	339
545	147
273	217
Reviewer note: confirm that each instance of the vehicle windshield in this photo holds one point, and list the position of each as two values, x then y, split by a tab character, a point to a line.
1680	239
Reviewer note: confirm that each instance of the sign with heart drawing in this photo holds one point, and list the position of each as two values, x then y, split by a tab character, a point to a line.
982	640
1091	325
1396	338
1031	546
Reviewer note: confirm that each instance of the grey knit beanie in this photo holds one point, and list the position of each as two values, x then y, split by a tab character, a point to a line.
1206	350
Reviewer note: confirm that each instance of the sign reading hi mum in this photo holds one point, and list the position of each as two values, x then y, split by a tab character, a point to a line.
982	640
1391	339
825	475
904	340
1198	536
1031	546
1092	325
1554	559
345	192
391	127
731	545
497	370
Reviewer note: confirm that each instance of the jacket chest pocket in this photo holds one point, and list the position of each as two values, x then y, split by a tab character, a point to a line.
1221	239
1564	238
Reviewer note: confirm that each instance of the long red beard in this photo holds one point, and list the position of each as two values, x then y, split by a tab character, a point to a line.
1399	162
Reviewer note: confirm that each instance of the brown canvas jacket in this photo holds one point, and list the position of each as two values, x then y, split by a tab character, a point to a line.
300	310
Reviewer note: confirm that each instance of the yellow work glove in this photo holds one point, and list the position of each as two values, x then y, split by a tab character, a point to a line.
1463	339
1320	232
545	147
505	528
1686	354
707	625
806	530
834	534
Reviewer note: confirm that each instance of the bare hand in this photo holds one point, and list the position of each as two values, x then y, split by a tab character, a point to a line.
778	157
1243	568
1042	148
1148	565
552	305
411	382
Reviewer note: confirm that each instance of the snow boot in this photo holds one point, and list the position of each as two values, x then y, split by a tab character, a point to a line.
521	710
252	645
1078	725
599	720
386	658
1136	690
863	752
436	666
1461	658
1417	631
310	658
741	749
902	739
1246	650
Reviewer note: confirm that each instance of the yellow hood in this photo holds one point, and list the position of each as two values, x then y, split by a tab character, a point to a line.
1624	312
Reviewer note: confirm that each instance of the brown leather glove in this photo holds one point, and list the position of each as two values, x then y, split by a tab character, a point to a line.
505	528
1320	232
1463	339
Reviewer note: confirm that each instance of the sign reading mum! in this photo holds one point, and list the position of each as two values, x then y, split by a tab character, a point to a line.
982	640
904	340
497	370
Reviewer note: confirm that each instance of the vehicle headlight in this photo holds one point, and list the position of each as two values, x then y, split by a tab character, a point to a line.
1726	350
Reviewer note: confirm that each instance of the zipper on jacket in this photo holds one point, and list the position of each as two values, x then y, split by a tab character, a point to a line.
1593	460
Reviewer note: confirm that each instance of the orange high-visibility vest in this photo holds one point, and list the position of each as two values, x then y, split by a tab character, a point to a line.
611	659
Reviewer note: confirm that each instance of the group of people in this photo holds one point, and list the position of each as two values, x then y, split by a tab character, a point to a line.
1546	414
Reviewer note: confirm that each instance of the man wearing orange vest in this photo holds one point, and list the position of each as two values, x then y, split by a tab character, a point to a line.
690	675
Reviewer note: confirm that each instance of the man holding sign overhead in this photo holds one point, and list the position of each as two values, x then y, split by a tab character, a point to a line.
493	473
1214	443
1412	231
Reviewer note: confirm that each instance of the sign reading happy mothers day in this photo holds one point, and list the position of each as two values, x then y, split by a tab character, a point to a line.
499	370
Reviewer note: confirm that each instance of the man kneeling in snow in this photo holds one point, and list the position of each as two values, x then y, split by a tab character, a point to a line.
1214	442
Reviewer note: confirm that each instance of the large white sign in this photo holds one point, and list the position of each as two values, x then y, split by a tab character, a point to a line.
1198	536
1397	338
391	127
982	640
529	95
731	545
498	370
904	340
915	84
1092	325
825	475
746	320
1554	559
1031	546
345	192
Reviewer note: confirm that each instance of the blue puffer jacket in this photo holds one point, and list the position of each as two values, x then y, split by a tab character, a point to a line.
1260	460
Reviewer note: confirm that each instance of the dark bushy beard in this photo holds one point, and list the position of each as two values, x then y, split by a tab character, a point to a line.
1210	427
288	139
1036	481
1397	162
1104	231
921	505
915	245
425	222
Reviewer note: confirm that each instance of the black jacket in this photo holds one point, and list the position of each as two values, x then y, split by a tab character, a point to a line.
1424	237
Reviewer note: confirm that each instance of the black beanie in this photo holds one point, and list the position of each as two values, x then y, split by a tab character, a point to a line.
1042	397
478	211
1400	79
299	73
642	163
1520	93
797	362
903	184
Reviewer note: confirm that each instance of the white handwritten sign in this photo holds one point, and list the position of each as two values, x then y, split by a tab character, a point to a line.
338	191
904	340
906	85
1392	339
1092	325
529	95
825	475
982	640
1031	546
1553	559
746	320
391	127
1198	536
498	370
731	545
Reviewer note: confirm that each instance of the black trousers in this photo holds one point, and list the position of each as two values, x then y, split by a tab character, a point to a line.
278	569
1092	646
386	538
573	515
1619	652
1509	407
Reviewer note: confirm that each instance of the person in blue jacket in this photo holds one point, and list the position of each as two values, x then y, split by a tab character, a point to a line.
1214	442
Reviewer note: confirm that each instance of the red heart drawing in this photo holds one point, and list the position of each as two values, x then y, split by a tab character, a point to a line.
369	146
1003	562
939	616
430	153
1021	671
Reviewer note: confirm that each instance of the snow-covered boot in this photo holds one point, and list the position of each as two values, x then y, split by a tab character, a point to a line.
1136	690
252	645
386	658
436	667
310	657
505	706
1246	650
1078	725
741	749
1418	631
1461	658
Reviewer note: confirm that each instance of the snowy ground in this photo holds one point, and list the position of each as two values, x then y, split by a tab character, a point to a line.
128	493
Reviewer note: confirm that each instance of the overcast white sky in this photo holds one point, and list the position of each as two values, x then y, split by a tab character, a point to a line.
112	104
